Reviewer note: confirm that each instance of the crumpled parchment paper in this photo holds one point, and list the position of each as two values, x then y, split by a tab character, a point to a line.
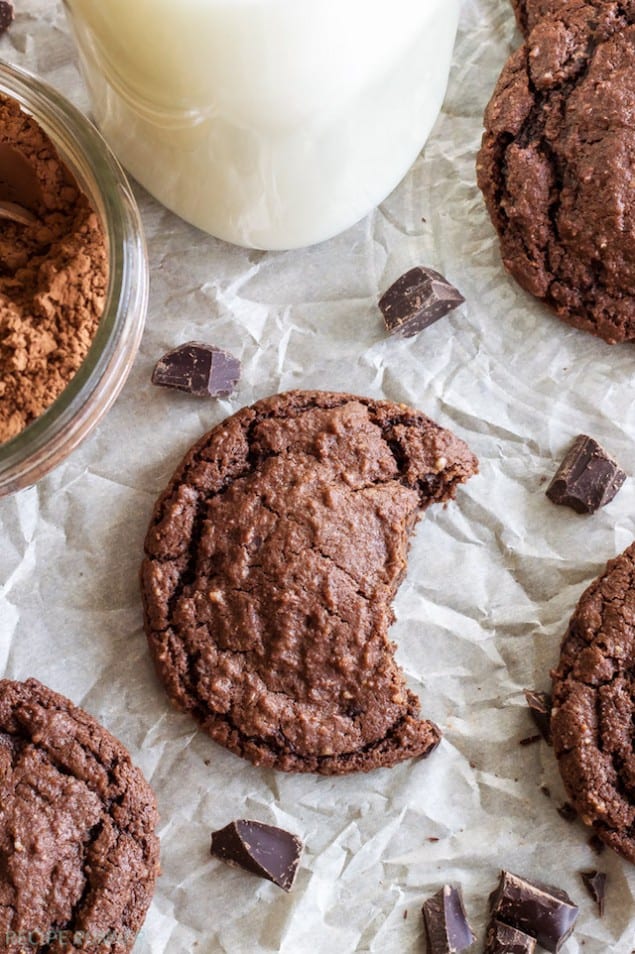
492	579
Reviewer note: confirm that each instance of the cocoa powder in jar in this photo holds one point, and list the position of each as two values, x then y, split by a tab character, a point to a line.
53	273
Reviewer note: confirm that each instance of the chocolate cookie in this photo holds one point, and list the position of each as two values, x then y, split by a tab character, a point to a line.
271	561
555	165
78	852
594	706
529	12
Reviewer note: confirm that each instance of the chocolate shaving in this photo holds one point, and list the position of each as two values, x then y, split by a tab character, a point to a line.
595	883
446	924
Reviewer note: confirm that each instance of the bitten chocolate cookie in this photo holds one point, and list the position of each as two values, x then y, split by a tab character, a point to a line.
594	706
78	850
555	165
271	562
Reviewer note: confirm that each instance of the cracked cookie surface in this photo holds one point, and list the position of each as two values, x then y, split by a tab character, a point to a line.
271	562
594	706
78	852
529	12
555	165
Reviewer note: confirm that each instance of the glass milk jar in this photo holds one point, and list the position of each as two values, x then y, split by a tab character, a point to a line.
268	123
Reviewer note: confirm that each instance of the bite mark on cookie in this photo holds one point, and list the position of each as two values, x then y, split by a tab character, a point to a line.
271	563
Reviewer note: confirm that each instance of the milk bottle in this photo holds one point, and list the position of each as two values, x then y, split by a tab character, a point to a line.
269	123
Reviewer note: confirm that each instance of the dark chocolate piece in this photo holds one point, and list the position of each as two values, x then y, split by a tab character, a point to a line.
504	939
6	15
540	708
446	923
416	300
529	739
595	883
265	850
199	369
587	479
544	912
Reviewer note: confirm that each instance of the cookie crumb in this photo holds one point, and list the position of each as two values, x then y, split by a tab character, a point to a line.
567	811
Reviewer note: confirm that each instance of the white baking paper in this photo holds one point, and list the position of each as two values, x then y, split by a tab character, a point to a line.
492	579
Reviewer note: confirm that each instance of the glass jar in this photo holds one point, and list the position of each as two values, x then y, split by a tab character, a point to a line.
51	437
268	123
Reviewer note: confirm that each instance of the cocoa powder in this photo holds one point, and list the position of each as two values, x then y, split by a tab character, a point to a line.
53	273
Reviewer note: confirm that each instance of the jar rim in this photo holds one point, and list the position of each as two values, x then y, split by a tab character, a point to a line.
49	439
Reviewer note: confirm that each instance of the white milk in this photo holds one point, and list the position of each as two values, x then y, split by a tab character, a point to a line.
268	123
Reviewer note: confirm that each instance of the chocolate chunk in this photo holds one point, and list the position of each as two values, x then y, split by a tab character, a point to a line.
416	300
540	708
265	850
595	883
544	912
6	15
504	939
587	479
199	369
446	923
